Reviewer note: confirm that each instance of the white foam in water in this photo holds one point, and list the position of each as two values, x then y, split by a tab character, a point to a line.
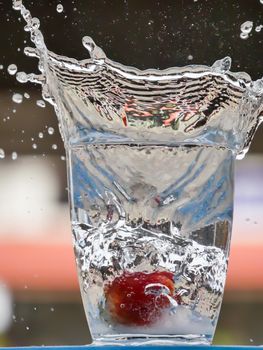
169	216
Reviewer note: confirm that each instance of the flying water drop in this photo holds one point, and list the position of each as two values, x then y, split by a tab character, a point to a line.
60	8
94	51
12	69
17	98
2	153
246	28
50	130
14	155
41	103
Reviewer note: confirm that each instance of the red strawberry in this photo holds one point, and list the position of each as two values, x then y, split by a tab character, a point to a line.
139	298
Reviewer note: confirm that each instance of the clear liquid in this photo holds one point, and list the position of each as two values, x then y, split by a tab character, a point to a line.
150	159
146	209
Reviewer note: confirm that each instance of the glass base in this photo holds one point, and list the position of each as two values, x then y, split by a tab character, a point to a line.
144	339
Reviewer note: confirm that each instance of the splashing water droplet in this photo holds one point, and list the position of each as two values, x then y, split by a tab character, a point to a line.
17	5
41	103
243	36
2	153
17	98
50	130
12	69
258	28
54	146
246	27
22	77
14	155
94	51
60	8
26	95
41	135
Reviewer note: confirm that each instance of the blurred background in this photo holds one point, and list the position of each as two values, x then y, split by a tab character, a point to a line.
40	302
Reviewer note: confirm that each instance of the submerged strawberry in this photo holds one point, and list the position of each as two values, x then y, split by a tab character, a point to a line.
140	298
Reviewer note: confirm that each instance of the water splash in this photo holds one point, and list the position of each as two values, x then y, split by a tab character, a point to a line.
225	108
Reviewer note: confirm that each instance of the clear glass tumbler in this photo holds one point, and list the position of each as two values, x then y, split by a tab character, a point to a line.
150	158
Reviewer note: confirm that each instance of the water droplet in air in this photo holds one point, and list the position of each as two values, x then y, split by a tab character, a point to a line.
246	27
17	98
14	155
52	309
17	4
34	146
190	57
60	8
258	28
22	77
41	103
2	153
12	69
54	146
1	67
243	36
50	130
94	51
261	1
27	328
41	135
26	95
63	158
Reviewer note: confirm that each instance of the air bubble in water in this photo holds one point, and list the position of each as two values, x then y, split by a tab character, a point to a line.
50	130
41	103
17	98
54	146
14	155
2	153
12	69
246	27
60	8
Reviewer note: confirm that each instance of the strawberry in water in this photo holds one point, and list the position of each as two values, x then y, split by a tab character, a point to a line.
140	298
